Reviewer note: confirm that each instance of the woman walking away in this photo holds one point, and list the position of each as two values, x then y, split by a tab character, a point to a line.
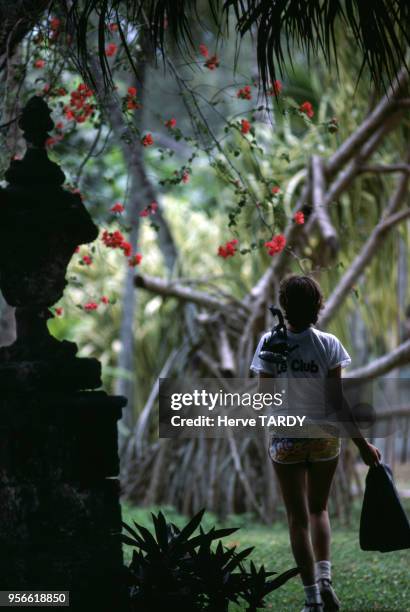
305	466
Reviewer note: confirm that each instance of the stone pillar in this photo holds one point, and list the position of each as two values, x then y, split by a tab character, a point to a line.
60	516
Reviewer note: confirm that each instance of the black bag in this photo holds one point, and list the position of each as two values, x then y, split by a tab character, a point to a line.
384	525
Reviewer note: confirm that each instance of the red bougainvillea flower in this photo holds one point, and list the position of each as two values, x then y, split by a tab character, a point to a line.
203	50
135	260
59	311
111	49
87	260
112	240
245	126
245	93
299	218
117	208
55	24
132	104
151	209
276	245
113	27
228	250
275	89
40	63
147	140
115	240
127	248
104	299
185	177
79	107
171	123
90	306
307	109
131	99
212	62
275	190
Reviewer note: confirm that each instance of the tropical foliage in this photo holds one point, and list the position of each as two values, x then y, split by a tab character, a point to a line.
177	568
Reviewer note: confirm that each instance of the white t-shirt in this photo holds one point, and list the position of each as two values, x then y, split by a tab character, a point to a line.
314	354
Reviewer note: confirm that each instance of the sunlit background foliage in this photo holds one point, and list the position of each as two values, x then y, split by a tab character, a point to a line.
228	190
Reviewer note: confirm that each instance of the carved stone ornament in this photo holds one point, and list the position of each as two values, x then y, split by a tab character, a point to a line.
41	225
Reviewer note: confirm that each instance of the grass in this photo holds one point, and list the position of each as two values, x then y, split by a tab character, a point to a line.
364	580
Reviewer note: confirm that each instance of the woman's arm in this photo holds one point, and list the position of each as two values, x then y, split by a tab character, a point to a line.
369	453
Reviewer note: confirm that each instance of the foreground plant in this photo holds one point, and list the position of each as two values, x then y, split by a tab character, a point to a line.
175	567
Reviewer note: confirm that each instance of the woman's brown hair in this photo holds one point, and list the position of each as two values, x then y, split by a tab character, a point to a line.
301	299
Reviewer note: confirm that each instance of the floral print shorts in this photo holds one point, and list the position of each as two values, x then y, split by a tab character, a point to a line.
300	450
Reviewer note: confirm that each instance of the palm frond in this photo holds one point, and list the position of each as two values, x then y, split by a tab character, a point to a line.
381	28
158	18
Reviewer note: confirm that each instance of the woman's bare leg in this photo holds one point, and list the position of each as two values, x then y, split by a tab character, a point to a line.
319	479
293	484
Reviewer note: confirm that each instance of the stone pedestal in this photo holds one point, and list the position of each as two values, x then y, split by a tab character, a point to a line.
59	496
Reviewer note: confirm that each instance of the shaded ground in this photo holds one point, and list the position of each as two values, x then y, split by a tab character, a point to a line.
364	581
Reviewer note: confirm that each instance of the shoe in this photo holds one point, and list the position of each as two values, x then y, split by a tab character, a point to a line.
313	607
330	600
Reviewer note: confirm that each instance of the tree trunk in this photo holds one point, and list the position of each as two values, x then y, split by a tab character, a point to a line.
141	194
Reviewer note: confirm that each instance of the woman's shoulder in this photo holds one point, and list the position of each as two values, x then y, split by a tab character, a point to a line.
265	335
325	337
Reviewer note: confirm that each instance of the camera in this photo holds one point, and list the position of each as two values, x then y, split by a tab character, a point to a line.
276	347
